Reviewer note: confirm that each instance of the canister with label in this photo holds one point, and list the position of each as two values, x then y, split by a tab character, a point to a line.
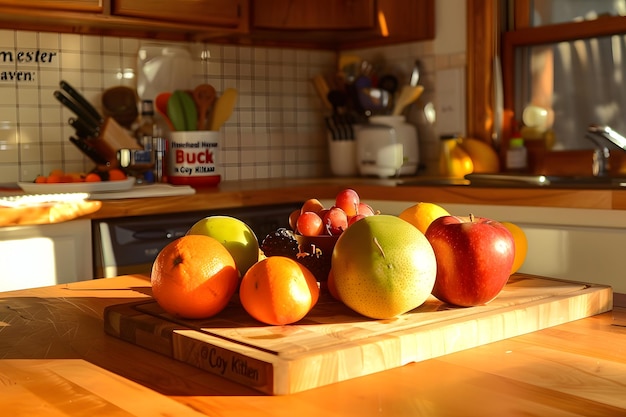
193	158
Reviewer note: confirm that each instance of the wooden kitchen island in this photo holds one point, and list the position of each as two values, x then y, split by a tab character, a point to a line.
56	360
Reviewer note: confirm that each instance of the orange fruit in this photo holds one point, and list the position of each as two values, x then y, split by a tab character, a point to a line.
41	179
278	290
422	214
194	277
54	179
521	245
92	177
116	174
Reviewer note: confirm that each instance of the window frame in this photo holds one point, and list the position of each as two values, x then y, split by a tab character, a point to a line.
482	27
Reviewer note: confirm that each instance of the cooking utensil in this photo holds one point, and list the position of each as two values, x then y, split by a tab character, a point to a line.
81	101
415	75
182	111
374	100
160	102
342	126
407	96
80	111
120	103
223	108
204	97
321	86
389	83
349	67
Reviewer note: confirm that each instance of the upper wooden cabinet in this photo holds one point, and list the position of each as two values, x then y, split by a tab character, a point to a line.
327	24
159	19
342	24
216	13
313	14
71	5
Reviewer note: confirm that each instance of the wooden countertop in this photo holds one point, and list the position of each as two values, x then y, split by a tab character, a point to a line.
55	359
229	194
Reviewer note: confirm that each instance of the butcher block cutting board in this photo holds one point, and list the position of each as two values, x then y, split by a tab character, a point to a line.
332	343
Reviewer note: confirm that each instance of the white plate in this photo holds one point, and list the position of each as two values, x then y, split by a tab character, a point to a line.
78	187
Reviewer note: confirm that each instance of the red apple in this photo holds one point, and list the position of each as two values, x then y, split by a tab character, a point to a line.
474	258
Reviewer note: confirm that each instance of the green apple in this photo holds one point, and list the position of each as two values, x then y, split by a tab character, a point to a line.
236	236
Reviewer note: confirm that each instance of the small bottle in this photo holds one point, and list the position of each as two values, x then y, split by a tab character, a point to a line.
146	130
146	134
516	155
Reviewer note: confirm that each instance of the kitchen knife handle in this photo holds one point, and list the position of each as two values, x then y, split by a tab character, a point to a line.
82	128
79	111
88	151
81	101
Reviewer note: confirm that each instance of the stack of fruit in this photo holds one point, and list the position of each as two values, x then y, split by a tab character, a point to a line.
379	265
57	176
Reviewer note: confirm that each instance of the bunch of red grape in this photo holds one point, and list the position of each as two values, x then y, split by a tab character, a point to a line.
313	219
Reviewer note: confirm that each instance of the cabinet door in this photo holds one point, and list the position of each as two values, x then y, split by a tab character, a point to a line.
70	5
222	13
313	14
342	24
47	254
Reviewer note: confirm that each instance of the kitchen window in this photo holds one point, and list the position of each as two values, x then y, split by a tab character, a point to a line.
567	56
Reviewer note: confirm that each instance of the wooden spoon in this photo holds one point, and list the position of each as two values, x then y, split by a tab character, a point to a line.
204	97
407	96
223	108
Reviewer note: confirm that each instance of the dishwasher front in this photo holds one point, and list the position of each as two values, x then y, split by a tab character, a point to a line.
129	245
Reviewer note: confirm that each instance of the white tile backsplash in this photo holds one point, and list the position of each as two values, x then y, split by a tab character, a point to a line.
276	129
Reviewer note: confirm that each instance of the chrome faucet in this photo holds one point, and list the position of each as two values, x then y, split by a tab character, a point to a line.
602	136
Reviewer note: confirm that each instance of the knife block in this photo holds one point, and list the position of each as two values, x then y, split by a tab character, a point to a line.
112	138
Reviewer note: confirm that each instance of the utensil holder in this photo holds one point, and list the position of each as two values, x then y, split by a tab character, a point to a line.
193	158
342	157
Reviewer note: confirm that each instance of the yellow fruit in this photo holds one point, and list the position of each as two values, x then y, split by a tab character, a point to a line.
383	266
422	214
483	156
521	245
455	162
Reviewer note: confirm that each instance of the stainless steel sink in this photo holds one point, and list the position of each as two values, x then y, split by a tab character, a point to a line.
523	180
520	180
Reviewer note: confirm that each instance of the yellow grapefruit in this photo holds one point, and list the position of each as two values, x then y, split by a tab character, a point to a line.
383	266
